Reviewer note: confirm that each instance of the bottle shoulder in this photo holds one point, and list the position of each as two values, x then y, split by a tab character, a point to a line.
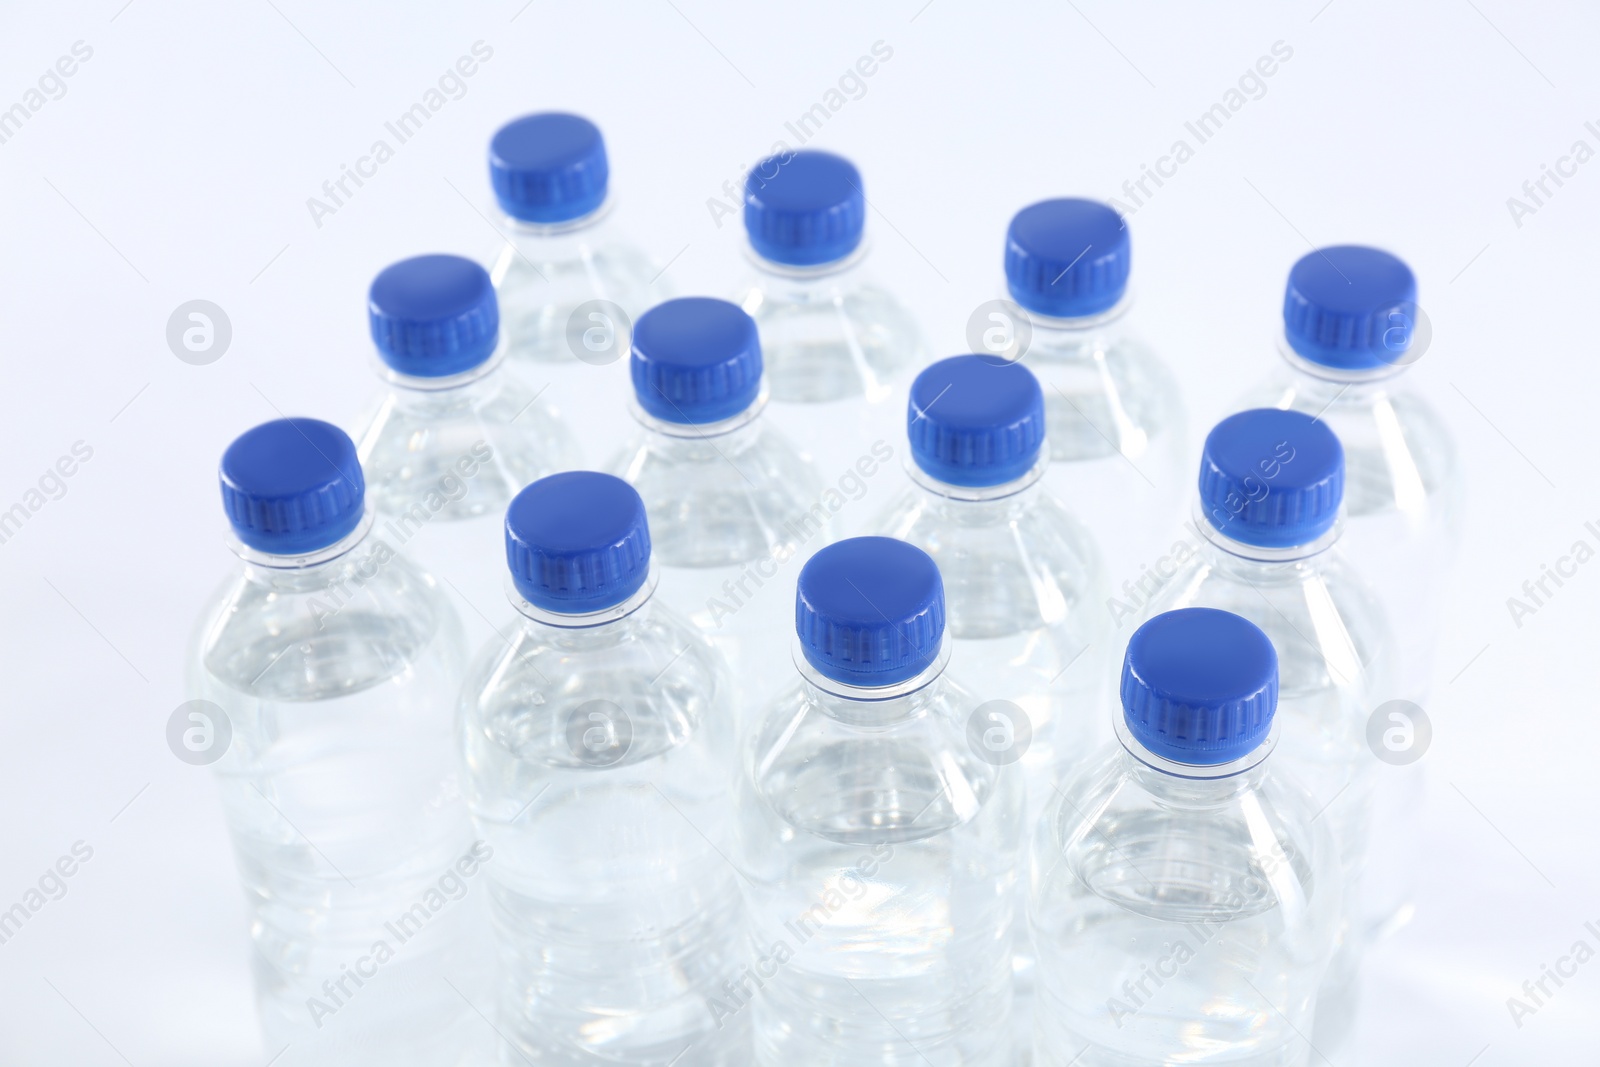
724	500
1185	851
901	775
650	679
369	617
1008	565
1326	623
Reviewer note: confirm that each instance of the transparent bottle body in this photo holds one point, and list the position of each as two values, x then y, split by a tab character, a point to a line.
544	273
735	510
1335	649
1179	920
442	460
838	352
879	856
599	763
1117	432
338	678
1404	497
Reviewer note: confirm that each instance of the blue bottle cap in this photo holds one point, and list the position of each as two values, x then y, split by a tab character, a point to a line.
870	611
577	542
1272	478
695	360
975	420
549	167
804	208
292	486
1199	686
433	316
1350	307
1067	258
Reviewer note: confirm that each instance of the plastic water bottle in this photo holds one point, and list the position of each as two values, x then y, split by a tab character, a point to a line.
879	849
838	347
1184	896
331	666
1022	577
1116	421
453	435
570	282
1271	485
734	507
1351	327
598	743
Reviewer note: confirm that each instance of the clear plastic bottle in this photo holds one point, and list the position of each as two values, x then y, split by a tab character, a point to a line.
879	850
735	509
1116	419
1271	486
333	664
454	435
570	283
598	742
1022	577
1183	894
1351	327
838	347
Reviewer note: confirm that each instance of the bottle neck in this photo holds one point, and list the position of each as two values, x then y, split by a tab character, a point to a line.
874	706
1333	384
309	571
1081	335
581	626
1199	783
792	282
521	229
473	383
1228	551
979	504
725	436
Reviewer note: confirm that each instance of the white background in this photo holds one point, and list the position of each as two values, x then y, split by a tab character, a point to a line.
178	164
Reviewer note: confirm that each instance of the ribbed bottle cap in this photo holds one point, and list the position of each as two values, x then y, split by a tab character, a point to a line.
870	611
806	210
292	486
696	360
975	420
1272	478
1199	686
549	167
433	316
577	542
1067	258
1350	307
